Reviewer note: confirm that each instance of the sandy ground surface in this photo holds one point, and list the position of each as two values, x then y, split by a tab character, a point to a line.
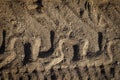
59	39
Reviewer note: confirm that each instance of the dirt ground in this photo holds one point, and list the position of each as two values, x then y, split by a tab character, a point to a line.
59	39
